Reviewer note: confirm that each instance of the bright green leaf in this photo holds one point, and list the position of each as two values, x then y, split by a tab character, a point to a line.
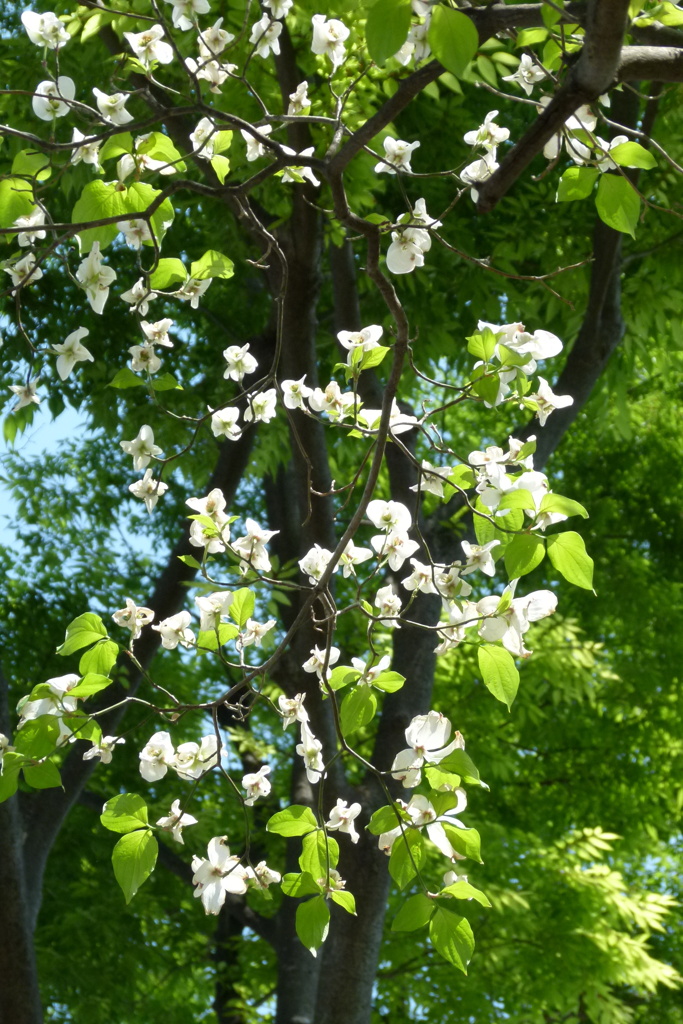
461	763
226	632
91	683
168	272
242	606
453	38
221	166
315	852
415	913
499	672
567	552
16	200
83	631
383	820
300	885
465	891
312	922
567	506
32	164
125	378
618	204
43	776
576	183
389	682
357	709
344	899
124	813
632	154
212	264
523	554
293	821
451	936
408	855
38	737
100	659
134	858
386	29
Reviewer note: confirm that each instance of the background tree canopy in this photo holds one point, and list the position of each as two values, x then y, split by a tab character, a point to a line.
570	896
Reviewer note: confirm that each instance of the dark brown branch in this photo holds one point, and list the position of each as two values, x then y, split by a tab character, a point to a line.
594	72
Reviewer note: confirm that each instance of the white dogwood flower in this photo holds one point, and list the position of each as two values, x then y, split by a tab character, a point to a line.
51	99
148	490
71	352
45	29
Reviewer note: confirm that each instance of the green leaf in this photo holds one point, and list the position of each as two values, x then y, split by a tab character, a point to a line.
523	554
100	659
389	682
293	821
408	855
91	683
465	840
576	183
212	264
168	272
439	780
32	164
481	344
487	70
451	936
125	813
43	776
341	675
38	737
134	858
193	563
125	378
567	552
567	506
83	631
630	154
415	913
101	199
242	606
116	146
550	14
9	778
373	358
499	672
387	27
530	37
486	387
618	204
344	899
465	891
357	709
520	498
83	726
166	382
300	885
16	200
453	38
314	854
462	764
312	922
159	147
221	141
462	476
226	632
383	820
221	166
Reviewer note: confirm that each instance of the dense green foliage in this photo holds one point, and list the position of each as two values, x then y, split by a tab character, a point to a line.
580	816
